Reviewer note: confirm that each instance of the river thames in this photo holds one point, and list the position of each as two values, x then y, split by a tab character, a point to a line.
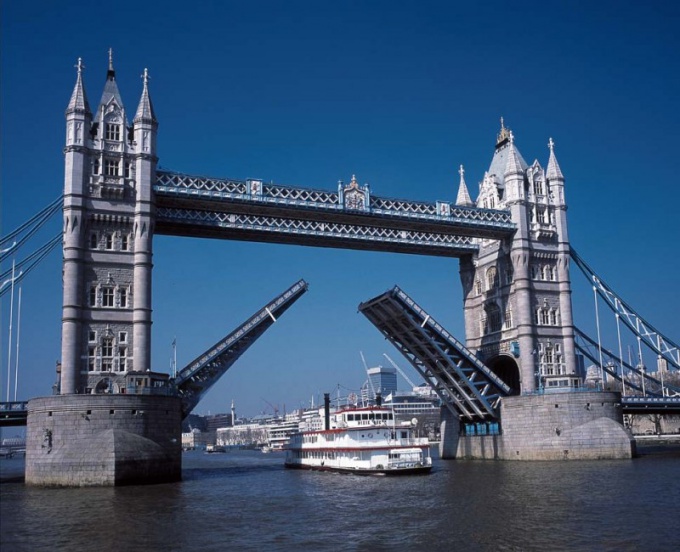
247	501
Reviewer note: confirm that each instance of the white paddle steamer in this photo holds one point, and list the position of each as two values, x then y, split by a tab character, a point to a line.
367	441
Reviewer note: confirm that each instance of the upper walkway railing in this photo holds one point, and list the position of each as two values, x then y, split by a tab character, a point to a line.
349	218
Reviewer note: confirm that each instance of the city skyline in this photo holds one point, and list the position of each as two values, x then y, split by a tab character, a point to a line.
307	94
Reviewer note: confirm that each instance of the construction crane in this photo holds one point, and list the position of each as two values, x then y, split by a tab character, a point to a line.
370	382
274	408
403	375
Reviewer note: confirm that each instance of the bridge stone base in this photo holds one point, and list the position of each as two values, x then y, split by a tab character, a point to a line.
559	426
103	440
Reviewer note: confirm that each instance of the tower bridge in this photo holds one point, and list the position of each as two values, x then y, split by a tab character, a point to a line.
512	242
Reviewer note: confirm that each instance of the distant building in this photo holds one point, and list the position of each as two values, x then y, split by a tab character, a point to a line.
381	380
406	405
195	439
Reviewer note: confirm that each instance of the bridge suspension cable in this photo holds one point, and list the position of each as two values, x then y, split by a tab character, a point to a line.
663	346
19	236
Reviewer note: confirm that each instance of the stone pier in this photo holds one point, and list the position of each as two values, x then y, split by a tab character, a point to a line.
551	426
88	440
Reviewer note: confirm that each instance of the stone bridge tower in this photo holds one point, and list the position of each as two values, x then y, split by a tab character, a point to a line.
108	230
113	420
517	293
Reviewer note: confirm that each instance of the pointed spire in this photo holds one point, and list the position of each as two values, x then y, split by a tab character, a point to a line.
111	73
463	199
78	102
110	88
513	164
503	135
145	112
553	172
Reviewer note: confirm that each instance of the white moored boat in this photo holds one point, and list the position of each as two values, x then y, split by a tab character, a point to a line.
366	441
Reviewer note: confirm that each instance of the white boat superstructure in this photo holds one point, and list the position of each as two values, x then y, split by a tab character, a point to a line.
365	440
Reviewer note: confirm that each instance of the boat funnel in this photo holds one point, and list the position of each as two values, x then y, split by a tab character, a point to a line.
327	410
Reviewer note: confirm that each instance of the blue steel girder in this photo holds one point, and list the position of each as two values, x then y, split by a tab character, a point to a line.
651	405
253	211
464	384
659	343
614	366
13	413
194	381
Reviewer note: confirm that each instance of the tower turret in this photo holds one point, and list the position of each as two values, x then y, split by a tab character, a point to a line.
463	198
76	180
145	130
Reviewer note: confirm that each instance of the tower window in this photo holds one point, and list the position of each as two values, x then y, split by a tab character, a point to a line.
538	187
94	240
92	336
509	275
493	318
535	271
91	358
92	296
109	241
491	278
112	132
122	337
508	318
128	169
107	354
122	359
111	167
124	242
123	298
545	317
95	166
107	296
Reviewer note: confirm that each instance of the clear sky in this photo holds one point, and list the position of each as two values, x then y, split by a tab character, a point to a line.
309	93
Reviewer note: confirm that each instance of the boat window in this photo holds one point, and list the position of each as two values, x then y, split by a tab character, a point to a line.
364	416
371	416
404	434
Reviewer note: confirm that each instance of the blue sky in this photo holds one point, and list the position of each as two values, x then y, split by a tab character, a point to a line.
309	93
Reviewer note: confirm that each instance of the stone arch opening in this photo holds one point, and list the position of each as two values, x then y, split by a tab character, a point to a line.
506	368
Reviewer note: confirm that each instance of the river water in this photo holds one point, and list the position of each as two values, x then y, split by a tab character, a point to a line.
245	500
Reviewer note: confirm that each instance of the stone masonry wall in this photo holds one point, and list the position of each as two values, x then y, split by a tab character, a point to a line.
559	426
82	440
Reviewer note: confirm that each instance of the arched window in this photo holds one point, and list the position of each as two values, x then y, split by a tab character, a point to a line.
491	278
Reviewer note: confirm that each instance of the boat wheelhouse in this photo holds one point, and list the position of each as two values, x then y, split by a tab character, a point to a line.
366	440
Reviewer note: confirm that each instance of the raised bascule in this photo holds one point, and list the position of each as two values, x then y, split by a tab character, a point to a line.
115	420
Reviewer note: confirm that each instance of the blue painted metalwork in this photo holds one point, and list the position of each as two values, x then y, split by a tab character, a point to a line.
194	381
464	384
590	349
655	340
650	405
350	218
13	413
